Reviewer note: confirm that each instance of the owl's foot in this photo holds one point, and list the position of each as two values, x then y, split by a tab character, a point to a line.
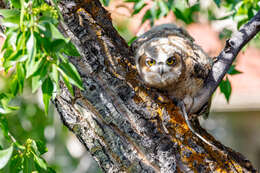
188	102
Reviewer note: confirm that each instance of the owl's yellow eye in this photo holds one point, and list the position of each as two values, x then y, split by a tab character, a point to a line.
150	62
171	61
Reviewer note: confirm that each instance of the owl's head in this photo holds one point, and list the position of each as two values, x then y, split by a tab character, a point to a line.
159	63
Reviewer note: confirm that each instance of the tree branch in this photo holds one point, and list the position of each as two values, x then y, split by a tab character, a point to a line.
226	58
120	121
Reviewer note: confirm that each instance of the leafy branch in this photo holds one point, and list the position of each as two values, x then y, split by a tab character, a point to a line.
35	50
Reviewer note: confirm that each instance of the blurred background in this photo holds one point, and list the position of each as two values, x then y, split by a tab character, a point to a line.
236	124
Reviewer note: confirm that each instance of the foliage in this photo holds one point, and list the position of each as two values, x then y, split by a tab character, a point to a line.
35	51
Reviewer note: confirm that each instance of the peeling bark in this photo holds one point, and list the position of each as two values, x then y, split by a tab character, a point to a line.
121	122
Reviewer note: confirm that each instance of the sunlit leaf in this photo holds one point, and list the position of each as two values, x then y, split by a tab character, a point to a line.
54	75
68	85
8	13
11	17
55	33
164	9
5	156
14	86
16	3
40	162
31	49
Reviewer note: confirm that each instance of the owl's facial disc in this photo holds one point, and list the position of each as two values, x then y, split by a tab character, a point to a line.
161	72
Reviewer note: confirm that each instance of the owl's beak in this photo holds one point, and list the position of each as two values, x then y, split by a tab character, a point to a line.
161	71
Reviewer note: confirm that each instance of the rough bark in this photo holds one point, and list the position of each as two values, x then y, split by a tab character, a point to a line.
121	122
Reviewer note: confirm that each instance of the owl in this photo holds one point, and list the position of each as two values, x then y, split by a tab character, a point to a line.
167	59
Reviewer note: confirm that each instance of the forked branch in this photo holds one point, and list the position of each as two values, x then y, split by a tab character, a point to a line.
226	58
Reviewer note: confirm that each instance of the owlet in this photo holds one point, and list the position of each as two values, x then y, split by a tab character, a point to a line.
167	59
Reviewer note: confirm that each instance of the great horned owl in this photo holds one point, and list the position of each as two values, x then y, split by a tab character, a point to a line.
167	59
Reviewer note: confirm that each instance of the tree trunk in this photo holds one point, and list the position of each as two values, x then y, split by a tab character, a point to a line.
121	122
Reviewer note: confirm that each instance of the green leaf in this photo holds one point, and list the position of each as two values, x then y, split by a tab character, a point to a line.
179	14
164	8
44	41
138	6
4	126
233	71
55	77
47	89
147	16
241	22
55	33
4	103
40	75
225	33
225	88
16	3
131	0
132	40
20	76
36	67
154	11
71	72
28	164
57	44
11	17
31	49
6	63
15	56
6	13
41	147
40	162
16	164
105	2
68	85
70	50
5	156
51	170
217	2
14	86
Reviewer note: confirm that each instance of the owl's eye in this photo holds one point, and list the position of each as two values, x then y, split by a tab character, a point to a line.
171	61
150	62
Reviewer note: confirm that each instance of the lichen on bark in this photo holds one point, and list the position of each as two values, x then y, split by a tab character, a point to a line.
122	123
